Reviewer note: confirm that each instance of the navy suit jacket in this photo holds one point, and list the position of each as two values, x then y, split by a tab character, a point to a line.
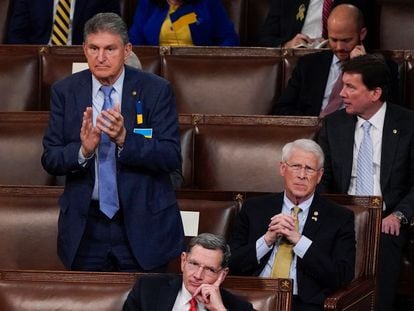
158	293
151	215
397	156
31	21
330	260
282	24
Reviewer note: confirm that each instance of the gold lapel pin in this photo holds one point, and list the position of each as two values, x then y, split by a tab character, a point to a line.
134	93
394	131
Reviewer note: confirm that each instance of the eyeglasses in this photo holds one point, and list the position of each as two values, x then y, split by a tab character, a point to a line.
195	266
298	168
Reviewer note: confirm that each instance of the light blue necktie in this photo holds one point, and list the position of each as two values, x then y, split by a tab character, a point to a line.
108	191
365	164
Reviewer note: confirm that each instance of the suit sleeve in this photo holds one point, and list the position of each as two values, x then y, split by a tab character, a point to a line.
132	301
224	33
19	25
243	260
136	32
325	185
333	267
270	34
162	152
286	104
61	147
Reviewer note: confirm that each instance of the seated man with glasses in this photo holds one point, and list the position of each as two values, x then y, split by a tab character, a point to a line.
296	233
204	267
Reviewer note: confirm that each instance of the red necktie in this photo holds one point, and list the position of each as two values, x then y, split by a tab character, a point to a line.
193	305
335	100
326	10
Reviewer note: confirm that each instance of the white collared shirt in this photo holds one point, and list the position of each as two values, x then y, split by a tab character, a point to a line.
299	249
377	121
313	19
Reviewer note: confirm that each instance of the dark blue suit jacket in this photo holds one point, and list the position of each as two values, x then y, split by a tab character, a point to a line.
31	21
329	262
158	293
213	26
151	215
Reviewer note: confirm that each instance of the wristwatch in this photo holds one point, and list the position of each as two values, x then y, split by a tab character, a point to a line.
401	217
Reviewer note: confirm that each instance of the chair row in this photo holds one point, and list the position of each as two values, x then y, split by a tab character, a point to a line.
206	80
385	20
90	291
28	232
231	153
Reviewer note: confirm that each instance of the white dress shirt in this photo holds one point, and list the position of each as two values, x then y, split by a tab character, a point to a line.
334	72
313	20
182	302
377	121
299	249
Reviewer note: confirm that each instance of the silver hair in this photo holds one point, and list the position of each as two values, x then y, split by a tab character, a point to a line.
106	22
213	242
306	145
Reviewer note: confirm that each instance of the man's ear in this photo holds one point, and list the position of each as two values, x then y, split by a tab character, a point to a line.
183	259
362	34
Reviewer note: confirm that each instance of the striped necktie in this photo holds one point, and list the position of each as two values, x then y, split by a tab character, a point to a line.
365	165
60	29
326	10
284	255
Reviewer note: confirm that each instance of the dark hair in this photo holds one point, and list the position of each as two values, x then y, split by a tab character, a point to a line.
106	22
162	3
213	242
373	70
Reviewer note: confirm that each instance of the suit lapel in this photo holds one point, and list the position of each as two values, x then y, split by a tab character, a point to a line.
131	94
315	218
83	94
169	294
347	138
390	137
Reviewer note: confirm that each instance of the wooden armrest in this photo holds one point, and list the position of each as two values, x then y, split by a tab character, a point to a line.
359	294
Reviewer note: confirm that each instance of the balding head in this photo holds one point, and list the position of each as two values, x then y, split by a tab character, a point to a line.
345	30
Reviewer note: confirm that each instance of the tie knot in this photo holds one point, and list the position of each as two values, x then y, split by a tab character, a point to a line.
296	211
107	90
366	125
193	304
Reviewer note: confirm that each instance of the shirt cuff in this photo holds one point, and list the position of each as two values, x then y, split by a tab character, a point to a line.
302	246
82	160
261	248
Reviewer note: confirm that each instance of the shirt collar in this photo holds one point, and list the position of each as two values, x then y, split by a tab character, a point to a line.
96	85
377	120
304	206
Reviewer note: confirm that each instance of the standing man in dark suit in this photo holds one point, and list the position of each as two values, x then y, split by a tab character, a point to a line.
312	82
322	247
113	132
31	21
290	23
391	165
204	267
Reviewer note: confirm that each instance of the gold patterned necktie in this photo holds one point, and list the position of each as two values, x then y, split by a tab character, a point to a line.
284	255
60	29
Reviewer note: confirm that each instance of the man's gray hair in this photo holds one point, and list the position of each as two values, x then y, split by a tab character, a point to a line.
106	22
306	145
213	242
